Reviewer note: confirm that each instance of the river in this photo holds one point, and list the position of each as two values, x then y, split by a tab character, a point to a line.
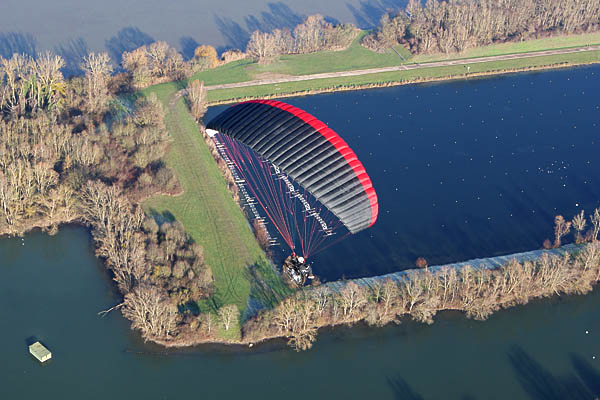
52	288
227	23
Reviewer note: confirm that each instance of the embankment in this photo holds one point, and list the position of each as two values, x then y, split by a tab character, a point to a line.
478	263
476	287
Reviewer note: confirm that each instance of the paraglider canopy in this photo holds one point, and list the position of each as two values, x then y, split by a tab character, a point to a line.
309	152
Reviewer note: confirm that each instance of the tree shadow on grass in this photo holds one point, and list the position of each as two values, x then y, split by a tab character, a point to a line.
127	39
266	287
161	217
73	52
540	384
17	42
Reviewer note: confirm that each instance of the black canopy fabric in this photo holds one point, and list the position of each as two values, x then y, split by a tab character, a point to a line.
307	151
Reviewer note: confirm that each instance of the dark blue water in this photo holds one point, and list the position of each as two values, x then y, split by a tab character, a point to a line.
52	287
465	169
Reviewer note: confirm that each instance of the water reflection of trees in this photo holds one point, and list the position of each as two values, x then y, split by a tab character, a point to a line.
73	52
17	42
540	384
127	39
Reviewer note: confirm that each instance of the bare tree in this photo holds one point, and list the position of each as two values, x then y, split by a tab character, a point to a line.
97	69
262	47
49	89
352	298
116	224
207	322
228	315
561	228
309	35
285	314
453	26
154	63
389	295
196	94
150	311
595	219
579	223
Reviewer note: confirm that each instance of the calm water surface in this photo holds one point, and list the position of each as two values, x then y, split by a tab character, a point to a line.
465	169
226	23
52	288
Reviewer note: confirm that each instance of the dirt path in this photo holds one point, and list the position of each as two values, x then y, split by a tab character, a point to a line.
401	68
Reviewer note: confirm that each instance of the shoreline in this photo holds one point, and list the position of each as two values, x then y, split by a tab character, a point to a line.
572	252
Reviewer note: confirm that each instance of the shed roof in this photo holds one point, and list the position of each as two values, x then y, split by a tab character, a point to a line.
40	352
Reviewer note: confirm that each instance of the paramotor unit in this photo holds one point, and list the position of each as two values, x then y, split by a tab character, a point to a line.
296	270
302	175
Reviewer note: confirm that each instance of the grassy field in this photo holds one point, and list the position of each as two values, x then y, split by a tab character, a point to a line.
396	77
557	42
357	57
210	215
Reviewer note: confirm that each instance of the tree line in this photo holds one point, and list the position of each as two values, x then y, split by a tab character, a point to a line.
157	267
314	34
422	293
456	25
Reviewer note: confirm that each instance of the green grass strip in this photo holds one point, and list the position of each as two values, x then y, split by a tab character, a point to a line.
398	77
211	217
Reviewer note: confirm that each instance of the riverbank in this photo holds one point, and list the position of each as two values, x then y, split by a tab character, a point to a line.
477	288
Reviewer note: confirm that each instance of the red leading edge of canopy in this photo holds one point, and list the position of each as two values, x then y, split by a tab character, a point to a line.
340	146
